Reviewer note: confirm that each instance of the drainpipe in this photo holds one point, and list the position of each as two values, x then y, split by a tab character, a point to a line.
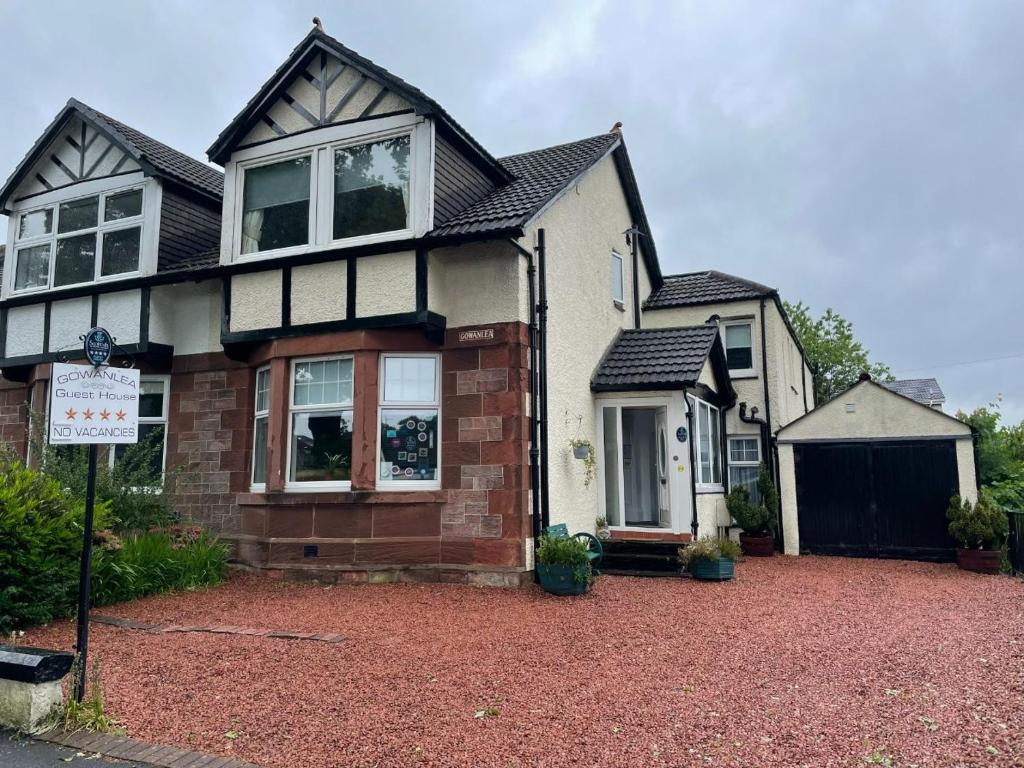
542	373
634	235
531	271
693	466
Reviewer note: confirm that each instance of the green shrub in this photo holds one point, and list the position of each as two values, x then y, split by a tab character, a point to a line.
40	546
708	548
158	561
768	493
570	552
755	520
980	526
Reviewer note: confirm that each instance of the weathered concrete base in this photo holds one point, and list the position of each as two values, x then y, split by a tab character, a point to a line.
28	707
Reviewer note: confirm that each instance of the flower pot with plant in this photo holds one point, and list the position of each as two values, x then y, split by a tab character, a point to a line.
757	521
563	565
583	450
603	531
710	558
980	530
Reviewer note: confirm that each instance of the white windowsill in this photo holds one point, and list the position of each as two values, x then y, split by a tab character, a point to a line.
317	487
710	489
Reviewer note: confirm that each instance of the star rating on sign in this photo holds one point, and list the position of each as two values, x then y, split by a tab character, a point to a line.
87	414
120	415
70	414
104	414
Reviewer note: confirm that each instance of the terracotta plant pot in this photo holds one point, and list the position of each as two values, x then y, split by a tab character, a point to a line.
757	546
979	560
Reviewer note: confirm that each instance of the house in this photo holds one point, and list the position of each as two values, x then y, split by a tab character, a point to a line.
925	391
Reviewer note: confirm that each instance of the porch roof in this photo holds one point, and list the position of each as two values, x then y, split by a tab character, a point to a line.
655	358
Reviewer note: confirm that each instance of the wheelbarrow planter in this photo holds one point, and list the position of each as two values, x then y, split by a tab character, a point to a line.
722	569
561	579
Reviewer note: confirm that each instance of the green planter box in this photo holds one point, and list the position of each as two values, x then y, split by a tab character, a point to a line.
721	569
560	580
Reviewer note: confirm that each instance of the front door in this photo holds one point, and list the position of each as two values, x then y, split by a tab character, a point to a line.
664	512
636	466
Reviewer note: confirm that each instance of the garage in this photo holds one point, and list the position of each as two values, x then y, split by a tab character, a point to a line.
870	474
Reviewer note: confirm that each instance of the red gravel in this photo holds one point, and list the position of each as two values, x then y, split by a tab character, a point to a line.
800	662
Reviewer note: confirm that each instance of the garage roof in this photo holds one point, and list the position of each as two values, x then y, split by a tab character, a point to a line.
925	391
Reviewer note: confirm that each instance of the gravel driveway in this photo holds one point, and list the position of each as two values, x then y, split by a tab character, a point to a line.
801	661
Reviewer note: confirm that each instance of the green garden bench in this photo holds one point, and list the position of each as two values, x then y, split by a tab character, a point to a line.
595	551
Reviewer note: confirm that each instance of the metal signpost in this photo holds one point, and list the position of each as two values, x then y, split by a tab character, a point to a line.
92	405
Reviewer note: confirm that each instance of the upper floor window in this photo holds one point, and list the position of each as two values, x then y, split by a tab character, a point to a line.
739	347
78	241
327	194
618	280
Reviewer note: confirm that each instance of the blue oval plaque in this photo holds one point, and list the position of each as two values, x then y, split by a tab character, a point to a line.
681	434
97	346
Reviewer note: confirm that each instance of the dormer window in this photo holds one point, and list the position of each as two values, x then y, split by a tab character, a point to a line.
330	189
78	241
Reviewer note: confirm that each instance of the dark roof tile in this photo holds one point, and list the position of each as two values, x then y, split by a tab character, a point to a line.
655	358
709	287
538	177
925	391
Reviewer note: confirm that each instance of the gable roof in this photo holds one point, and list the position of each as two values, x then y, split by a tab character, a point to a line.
659	358
707	287
156	158
925	391
318	40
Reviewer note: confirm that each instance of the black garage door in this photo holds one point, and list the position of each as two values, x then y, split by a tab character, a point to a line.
881	499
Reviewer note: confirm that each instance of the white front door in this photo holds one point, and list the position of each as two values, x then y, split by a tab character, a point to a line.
664	510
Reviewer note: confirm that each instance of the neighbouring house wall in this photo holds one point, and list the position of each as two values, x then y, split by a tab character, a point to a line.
14	400
186	316
186	228
788	375
582	229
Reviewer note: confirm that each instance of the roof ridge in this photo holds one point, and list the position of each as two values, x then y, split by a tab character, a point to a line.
563	145
752	283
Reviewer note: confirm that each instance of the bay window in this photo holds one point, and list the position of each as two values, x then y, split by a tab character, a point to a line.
320	423
708	444
737	338
343	191
409	421
78	241
261	424
745	464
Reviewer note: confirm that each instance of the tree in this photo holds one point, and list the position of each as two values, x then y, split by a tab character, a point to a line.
835	356
1000	455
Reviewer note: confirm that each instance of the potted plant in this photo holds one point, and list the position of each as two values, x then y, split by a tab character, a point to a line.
758	522
980	530
584	451
603	532
710	558
563	565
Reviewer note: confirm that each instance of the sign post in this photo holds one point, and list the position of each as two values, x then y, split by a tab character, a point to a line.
92	405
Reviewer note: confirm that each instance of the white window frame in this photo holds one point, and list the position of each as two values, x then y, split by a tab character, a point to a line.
619	301
741	372
102	227
258	414
745	463
320	145
713	412
316	485
163	418
382	405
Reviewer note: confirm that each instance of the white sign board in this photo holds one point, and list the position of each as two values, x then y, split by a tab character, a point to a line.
93	405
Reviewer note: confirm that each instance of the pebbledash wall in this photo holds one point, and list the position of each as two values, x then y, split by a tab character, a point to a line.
474	529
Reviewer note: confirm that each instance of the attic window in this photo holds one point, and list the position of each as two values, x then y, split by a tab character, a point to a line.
275	207
78	241
371	188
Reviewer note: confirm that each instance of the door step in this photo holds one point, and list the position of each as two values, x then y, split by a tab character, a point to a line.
640	558
643	574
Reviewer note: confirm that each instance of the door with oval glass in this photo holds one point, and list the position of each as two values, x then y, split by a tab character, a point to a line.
664	511
636	456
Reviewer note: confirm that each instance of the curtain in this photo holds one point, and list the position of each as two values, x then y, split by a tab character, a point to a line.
252	230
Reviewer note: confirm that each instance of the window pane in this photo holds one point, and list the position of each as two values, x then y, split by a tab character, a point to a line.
36	223
275	207
321	447
410	379
78	214
617	293
408	445
738	349
120	251
323	382
76	260
259	452
151	399
704	443
33	270
145	457
371	188
123	205
611	465
745	477
716	448
743	449
262	390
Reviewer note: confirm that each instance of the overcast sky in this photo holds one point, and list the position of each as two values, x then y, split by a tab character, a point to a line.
867	156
